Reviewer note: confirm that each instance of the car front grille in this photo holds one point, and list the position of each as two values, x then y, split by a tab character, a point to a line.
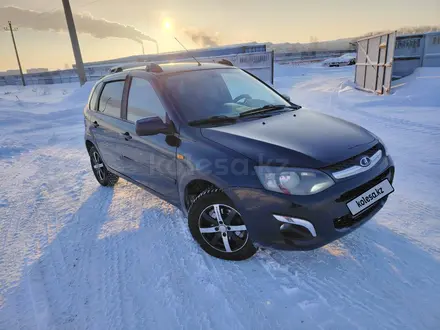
349	195
353	161
349	220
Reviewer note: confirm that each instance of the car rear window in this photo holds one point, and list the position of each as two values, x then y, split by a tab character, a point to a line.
111	98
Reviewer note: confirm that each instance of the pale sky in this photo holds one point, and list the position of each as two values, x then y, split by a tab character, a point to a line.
232	21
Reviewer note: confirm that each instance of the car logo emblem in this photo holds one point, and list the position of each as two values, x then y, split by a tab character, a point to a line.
365	161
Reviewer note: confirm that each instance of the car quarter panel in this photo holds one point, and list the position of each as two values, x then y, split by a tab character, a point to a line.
201	159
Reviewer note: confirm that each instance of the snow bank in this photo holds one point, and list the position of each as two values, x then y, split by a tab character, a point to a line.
80	95
42	99
422	87
38	93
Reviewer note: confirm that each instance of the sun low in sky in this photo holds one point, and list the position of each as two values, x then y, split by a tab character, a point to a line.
197	23
167	24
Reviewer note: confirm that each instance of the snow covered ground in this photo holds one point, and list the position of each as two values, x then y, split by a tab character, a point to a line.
74	255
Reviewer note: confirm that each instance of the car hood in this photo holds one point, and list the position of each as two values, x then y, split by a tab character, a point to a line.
300	138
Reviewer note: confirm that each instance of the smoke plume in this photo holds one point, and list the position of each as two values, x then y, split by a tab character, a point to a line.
56	21
202	38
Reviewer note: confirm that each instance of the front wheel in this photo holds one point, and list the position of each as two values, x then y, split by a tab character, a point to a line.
218	227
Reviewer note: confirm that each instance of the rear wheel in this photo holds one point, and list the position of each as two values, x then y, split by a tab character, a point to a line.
102	175
218	227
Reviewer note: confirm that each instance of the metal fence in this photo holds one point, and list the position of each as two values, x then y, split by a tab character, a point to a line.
374	63
53	77
413	51
431	56
293	57
259	64
182	55
408	55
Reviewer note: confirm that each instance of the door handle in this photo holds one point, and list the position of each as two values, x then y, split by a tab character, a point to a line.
127	136
95	124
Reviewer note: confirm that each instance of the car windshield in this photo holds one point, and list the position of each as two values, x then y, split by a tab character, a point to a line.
219	92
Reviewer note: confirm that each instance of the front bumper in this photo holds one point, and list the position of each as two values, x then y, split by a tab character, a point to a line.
326	211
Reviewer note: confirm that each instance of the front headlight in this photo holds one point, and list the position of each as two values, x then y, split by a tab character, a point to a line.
293	181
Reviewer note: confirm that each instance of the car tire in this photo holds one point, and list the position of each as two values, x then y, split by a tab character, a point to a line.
227	238
102	175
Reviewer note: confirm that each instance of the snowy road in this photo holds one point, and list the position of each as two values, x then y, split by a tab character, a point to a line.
74	255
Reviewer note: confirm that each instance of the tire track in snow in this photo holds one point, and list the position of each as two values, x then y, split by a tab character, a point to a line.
35	229
311	301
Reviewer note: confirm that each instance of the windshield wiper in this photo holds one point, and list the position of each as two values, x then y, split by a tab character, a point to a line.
268	108
213	120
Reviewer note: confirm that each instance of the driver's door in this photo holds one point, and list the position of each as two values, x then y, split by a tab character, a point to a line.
149	160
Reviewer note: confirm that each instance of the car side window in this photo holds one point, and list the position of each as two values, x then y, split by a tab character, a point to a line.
111	99
92	102
143	101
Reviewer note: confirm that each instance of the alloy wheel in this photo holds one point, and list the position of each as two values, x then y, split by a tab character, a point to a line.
222	228
98	166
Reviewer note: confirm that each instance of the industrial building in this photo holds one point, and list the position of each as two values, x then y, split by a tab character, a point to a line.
37	70
95	70
182	55
416	50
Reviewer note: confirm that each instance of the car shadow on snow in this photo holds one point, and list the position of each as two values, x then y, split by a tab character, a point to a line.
45	296
126	260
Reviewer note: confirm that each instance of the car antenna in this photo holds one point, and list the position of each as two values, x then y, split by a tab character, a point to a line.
198	63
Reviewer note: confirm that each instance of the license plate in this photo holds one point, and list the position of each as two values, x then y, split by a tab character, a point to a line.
369	197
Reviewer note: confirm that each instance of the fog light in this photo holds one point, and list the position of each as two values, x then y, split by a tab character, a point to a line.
300	222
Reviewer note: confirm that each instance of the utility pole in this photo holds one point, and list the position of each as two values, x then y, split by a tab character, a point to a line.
75	43
16	51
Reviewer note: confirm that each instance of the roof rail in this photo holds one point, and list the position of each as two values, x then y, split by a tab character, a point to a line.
225	62
153	67
116	69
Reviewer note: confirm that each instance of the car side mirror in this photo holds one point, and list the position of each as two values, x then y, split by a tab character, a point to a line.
286	97
152	126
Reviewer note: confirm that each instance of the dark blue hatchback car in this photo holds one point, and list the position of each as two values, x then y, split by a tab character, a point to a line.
245	164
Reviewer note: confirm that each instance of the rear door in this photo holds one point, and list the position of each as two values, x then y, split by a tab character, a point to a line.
107	124
150	160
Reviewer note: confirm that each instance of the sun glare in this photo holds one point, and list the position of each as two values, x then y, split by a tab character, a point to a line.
167	24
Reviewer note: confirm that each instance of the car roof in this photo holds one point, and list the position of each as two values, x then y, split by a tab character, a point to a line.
163	69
